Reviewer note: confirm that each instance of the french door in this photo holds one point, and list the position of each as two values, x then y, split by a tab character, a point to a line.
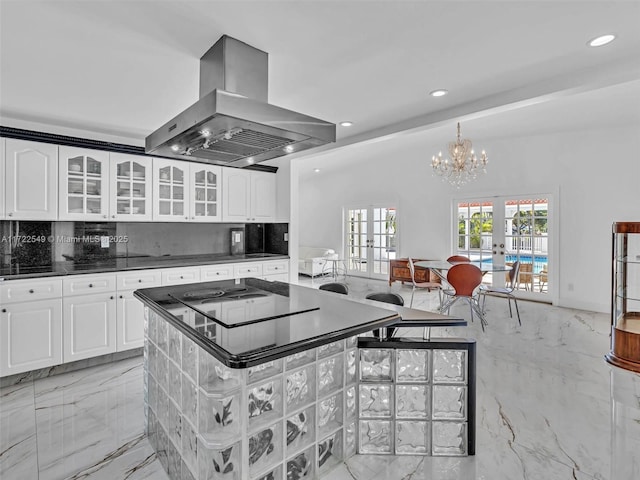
504	229
370	240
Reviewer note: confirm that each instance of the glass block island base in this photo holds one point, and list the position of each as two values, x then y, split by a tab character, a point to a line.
299	416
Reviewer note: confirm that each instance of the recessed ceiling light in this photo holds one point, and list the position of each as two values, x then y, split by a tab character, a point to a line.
316	170
346	124
601	40
250	160
175	148
205	133
439	93
288	148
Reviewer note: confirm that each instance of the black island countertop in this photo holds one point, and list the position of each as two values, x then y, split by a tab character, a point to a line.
249	322
125	263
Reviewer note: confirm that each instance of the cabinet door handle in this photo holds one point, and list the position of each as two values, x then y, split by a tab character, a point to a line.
181	277
104	216
111	297
120	296
10	214
139	280
113	216
91	285
4	310
31	290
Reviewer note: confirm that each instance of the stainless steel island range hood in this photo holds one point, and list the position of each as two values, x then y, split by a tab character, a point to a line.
232	124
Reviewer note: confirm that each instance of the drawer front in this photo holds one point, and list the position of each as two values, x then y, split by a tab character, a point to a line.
244	270
176	276
275	268
88	284
139	279
28	290
217	272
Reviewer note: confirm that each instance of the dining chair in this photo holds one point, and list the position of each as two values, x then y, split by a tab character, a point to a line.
335	287
386	297
427	285
504	292
458	259
526	275
465	280
543	278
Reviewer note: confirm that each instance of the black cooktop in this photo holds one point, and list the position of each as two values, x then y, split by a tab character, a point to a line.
234	305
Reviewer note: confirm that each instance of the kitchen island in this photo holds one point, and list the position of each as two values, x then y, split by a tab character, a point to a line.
250	379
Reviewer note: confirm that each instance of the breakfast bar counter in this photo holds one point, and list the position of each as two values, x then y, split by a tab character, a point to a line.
250	379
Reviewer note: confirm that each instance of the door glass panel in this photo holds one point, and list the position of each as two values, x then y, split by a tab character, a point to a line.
94	167
520	234
178	193
370	240
178	208
165	174
139	189
211	178
178	175
139	207
199	177
76	165
139	171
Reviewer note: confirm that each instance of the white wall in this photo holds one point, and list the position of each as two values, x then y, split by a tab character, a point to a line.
593	174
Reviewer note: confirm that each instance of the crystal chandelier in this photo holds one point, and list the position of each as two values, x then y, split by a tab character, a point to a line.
463	166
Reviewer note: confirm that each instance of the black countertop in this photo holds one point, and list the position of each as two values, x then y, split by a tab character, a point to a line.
16	272
316	318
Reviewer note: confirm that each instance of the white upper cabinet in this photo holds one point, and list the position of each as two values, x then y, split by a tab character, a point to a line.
31	180
2	212
248	196
263	197
236	188
84	184
131	186
205	182
171	195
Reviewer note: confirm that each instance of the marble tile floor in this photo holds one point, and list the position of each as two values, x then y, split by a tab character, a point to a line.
548	407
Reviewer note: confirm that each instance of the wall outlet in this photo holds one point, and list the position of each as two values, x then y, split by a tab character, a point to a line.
286	237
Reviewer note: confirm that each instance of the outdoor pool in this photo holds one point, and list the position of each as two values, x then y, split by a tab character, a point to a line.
539	263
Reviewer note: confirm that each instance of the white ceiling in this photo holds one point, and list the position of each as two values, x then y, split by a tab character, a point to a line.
121	69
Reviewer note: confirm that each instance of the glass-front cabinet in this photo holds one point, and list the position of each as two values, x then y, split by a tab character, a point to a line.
83	184
186	191
170	192
131	186
205	181
625	303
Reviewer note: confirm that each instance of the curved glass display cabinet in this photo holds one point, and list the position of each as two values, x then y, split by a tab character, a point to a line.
625	302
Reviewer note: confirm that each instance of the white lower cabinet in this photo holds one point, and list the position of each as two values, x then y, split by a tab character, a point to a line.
130	310
30	336
247	269
276	270
211	273
49	321
130	322
177	276
89	326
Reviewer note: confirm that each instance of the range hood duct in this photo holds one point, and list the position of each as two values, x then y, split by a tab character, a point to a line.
232	124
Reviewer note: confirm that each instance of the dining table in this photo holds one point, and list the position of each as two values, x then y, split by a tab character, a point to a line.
440	268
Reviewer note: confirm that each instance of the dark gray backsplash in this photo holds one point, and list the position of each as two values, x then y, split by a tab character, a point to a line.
130	239
266	237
